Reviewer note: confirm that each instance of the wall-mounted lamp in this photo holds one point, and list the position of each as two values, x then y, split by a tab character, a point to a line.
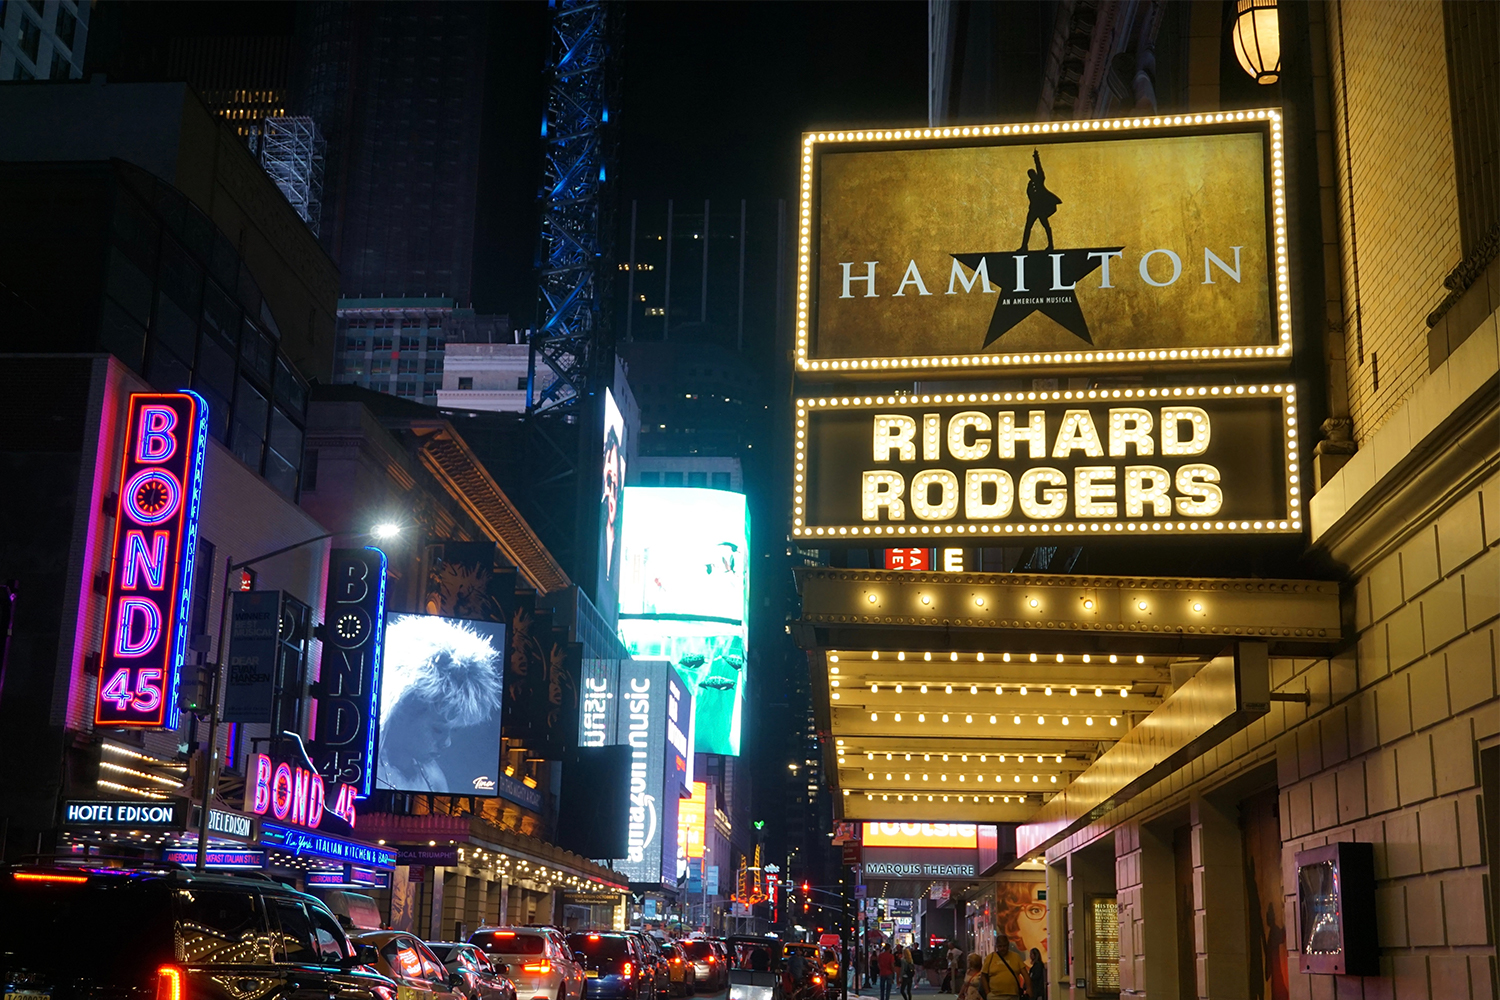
1257	39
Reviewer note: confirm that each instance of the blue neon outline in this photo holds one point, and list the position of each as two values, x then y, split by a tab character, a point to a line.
194	502
152	520
373	703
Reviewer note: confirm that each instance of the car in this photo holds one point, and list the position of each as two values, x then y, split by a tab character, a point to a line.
660	977
682	974
615	966
542	967
416	970
709	968
482	980
79	932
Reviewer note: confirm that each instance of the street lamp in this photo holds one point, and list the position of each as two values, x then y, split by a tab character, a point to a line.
383	531
1257	39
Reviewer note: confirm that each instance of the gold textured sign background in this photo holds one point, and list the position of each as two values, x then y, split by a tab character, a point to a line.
1181	193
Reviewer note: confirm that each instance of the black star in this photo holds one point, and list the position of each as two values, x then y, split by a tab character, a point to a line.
1043	286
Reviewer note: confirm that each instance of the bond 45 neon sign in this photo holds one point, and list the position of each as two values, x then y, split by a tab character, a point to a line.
151	576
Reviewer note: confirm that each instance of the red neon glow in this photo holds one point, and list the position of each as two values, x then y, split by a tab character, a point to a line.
161	479
41	877
292	793
169	983
261	792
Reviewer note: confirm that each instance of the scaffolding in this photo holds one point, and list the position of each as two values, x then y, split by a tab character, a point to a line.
292	152
572	343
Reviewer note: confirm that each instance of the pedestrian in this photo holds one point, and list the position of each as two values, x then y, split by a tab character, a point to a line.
1038	976
1004	971
908	973
973	987
955	968
886	962
874	968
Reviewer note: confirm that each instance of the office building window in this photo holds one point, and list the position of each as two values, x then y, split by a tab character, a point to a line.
465	382
721	480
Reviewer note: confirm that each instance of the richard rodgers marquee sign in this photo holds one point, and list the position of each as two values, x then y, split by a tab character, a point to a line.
1105	462
1154	240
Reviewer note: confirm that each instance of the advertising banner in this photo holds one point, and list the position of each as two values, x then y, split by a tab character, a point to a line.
1207	460
684	597
440	705
1158	240
254	644
646	687
692	819
344	748
151	559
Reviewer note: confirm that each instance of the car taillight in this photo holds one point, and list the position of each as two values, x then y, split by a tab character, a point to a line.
544	966
711	960
817	980
676	961
169	983
628	970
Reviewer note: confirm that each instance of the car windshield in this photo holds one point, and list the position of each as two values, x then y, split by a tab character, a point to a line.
697	949
599	945
103	927
509	942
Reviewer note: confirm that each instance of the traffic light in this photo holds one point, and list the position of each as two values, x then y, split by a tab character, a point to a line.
804	886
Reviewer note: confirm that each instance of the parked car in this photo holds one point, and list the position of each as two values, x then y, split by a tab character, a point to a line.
615	966
680	972
73	933
709	969
413	966
542	966
481	979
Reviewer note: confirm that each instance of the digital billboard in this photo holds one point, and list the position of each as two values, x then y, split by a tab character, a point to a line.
611	497
151	579
684	598
650	691
440	705
1142	240
1106	462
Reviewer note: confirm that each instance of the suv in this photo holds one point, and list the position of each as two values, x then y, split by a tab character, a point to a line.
656	964
75	933
541	964
707	967
614	966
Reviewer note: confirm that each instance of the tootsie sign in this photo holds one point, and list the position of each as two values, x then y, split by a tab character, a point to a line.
1101	462
1142	240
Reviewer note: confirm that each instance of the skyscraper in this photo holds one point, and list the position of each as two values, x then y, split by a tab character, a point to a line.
43	40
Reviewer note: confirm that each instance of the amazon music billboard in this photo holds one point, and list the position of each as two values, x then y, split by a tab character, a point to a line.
1113	242
1109	463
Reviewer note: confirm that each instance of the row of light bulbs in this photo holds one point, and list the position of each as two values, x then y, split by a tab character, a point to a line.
898	687
885	797
1041	720
1004	657
1035	779
983	758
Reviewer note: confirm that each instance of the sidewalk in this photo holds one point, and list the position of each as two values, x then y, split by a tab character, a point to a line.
919	989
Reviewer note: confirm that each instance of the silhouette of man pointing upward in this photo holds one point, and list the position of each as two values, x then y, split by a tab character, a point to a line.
1042	203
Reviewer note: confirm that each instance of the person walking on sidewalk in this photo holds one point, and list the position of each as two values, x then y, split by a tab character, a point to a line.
1004	971
955	969
908	972
1038	976
887	964
973	985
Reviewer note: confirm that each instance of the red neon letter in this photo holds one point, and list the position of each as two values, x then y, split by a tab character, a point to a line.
299	796
281	791
262	795
156	443
139	560
132	641
315	799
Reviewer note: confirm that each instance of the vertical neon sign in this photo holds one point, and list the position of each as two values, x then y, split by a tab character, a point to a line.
151	575
344	745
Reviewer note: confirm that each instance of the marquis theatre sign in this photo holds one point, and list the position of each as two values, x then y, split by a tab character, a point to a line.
1142	241
1195	460
151	575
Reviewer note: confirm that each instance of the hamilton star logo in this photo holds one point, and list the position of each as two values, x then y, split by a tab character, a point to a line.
1032	281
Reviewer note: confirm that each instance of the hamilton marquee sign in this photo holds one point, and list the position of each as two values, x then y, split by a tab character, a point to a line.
1138	241
1204	460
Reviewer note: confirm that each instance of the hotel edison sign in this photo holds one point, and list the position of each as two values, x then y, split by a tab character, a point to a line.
1155	241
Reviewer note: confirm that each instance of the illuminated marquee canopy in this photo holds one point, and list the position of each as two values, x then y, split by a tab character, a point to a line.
151	580
1116	242
1105	462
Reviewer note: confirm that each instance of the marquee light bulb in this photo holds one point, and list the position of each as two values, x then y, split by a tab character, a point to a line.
872	598
1113	658
1124	693
1041	721
898	716
1059	758
945	716
1139	658
875	655
1098	692
1059	657
1089	721
980	656
1017	720
1073	692
1047	691
926	656
921	717
874	688
1006	657
948	689
902	656
1033	602
1033	657
898	688
1113	721
1197	606
1023	690
924	688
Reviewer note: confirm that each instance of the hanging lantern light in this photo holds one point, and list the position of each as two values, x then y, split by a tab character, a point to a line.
1257	39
